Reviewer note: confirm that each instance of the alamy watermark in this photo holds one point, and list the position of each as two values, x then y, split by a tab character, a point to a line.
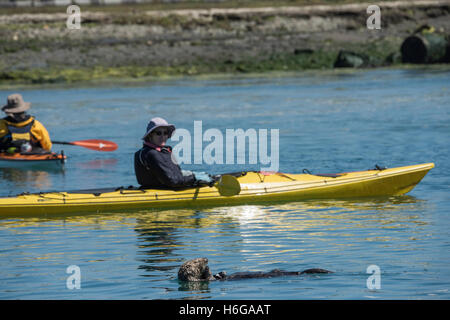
74	280
374	281
213	147
74	17
374	20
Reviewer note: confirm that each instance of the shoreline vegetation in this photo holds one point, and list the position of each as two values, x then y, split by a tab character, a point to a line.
195	38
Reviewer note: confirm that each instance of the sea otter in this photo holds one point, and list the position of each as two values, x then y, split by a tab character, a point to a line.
198	270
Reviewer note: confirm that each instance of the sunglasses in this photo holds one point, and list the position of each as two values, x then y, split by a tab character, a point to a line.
160	133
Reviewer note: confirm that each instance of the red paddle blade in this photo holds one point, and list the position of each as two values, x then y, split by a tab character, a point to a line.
96	144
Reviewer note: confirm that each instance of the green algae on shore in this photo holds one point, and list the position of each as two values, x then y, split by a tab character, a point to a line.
298	61
378	54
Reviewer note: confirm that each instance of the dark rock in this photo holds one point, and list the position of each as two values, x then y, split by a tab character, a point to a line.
349	59
303	51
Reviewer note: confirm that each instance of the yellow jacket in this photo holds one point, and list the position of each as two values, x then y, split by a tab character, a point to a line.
39	135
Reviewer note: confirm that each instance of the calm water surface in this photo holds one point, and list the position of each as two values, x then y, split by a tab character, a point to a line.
329	122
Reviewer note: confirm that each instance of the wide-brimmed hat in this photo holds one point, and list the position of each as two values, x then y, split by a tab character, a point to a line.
156	123
15	104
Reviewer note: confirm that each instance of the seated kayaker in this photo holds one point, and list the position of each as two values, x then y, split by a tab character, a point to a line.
156	167
20	132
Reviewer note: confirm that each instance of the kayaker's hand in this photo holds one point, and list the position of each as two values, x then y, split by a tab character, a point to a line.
202	178
186	173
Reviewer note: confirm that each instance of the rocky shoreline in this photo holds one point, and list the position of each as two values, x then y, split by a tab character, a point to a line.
39	48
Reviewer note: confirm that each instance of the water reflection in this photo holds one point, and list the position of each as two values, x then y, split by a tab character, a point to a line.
158	238
26	178
197	287
240	238
325	211
97	164
168	238
161	234
265	236
240	215
387	209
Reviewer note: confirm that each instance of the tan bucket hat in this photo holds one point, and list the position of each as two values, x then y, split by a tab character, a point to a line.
15	104
156	123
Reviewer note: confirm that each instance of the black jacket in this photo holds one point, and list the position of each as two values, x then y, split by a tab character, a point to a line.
155	169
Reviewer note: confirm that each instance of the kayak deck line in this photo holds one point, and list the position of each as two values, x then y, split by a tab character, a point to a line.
147	197
274	187
344	180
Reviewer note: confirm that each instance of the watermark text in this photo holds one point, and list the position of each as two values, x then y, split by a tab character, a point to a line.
374	20
237	146
74	17
374	281
74	280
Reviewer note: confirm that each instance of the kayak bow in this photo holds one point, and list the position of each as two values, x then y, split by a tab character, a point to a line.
252	187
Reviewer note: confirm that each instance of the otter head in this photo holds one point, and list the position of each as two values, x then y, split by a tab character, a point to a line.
195	270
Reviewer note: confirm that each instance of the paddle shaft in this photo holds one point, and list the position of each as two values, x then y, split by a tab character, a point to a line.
61	142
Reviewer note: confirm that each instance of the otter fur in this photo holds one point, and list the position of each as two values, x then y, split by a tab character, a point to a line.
198	270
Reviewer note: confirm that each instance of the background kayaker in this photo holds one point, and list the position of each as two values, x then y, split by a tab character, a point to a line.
156	167
20	132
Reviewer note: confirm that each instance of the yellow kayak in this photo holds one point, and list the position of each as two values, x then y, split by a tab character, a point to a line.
247	187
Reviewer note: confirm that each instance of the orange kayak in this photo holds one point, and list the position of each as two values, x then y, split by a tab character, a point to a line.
19	160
